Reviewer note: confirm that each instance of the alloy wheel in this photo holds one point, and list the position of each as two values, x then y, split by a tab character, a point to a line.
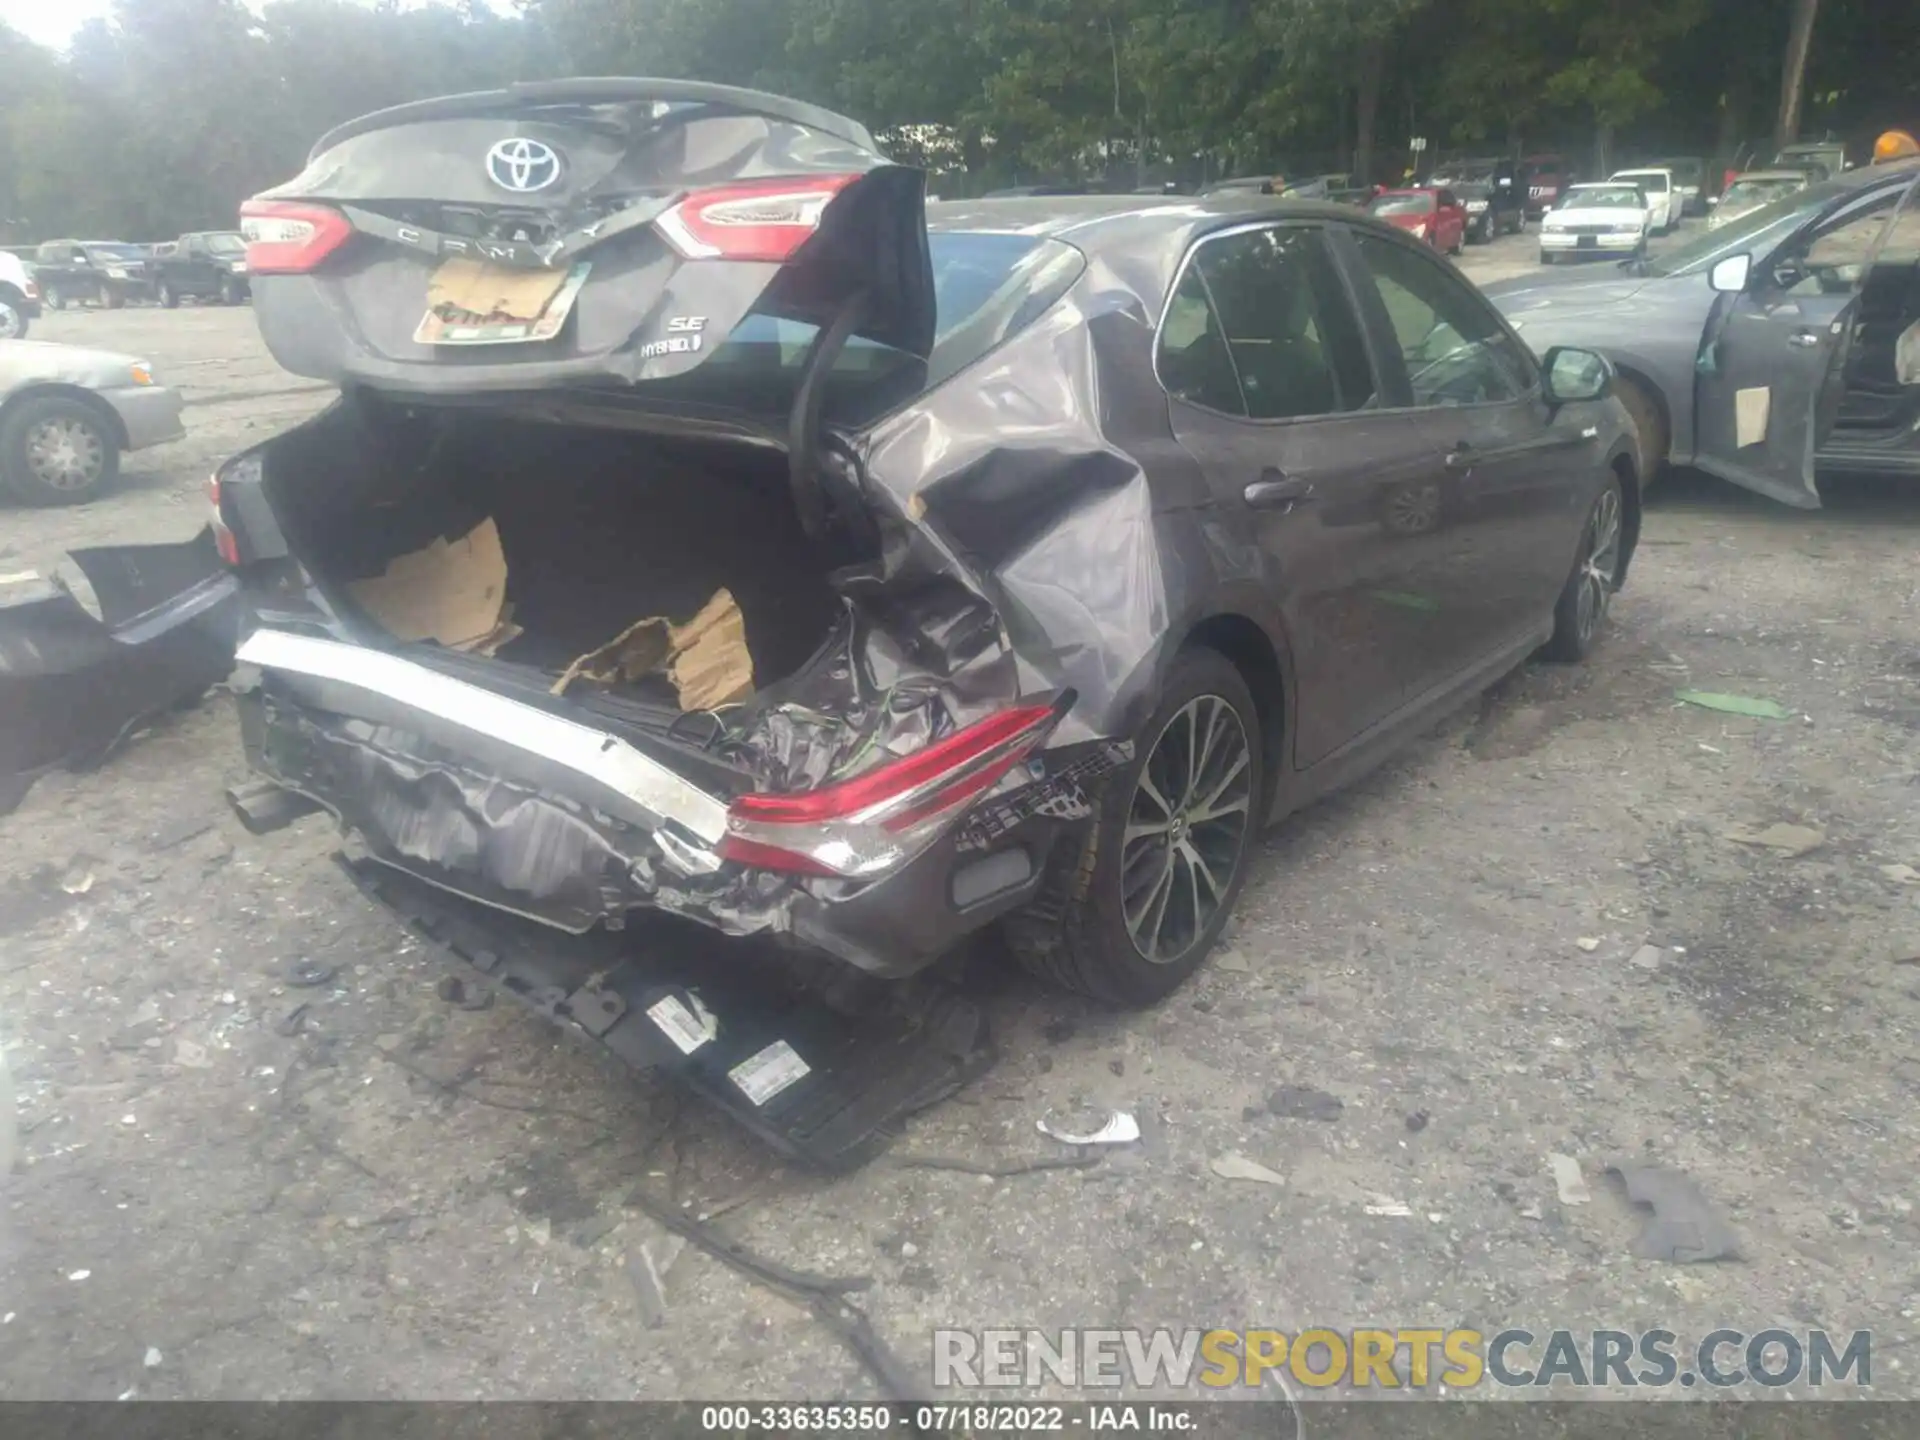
1188	823
1600	563
66	454
11	321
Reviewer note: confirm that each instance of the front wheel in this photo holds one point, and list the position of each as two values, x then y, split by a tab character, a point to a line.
1546	258
55	451
169	297
53	299
13	319
1582	607
1136	906
229	292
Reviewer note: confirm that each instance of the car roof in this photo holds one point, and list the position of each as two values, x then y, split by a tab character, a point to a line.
1141	239
1640	170
1769	175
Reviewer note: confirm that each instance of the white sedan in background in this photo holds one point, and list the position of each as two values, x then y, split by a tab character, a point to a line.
1601	217
1664	199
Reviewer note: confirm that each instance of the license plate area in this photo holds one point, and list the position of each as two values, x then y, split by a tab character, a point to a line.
472	302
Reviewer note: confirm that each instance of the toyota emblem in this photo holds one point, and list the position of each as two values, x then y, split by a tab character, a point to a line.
523	165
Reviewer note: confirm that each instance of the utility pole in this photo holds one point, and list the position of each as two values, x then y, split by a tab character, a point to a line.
1794	73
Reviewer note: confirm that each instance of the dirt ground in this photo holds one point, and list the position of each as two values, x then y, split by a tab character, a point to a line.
403	1198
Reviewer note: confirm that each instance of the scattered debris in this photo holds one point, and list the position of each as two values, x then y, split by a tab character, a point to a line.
1792	841
1056	1032
1647	957
1732	704
1908	960
191	1054
1235	1166
1568	1180
153	1358
1532	1211
1901	874
825	1296
305	974
1588	943
77	880
1387	1205
78	1274
293	1022
1230	961
1118	1067
648	1287
456	991
1684	1229
181	831
992	1171
1417	1121
1298	1102
1120	1128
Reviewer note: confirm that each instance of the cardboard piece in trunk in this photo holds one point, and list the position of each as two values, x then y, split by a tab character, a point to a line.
706	657
452	592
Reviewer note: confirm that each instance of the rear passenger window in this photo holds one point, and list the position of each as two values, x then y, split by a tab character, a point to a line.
1193	361
1454	347
1265	308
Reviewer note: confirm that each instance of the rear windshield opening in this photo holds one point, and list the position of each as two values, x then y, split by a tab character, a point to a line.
1402	205
988	288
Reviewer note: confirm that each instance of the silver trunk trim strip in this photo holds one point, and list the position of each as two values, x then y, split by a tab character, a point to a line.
376	686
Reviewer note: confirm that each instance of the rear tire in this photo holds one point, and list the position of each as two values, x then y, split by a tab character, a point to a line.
53	299
1580	615
169	297
13	318
229	292
1133	909
1547	259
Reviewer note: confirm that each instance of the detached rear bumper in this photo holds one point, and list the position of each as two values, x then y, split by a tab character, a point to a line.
557	818
72	687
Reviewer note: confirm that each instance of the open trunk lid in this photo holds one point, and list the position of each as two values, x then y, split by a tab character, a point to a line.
581	231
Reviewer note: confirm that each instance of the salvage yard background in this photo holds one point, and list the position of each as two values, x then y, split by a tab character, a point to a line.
1532	934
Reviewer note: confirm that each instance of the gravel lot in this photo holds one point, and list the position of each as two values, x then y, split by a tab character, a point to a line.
409	1199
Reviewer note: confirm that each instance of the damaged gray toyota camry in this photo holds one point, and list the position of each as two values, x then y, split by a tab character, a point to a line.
707	526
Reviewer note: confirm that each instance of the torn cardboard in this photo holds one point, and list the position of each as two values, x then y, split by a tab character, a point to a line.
706	657
472	290
453	592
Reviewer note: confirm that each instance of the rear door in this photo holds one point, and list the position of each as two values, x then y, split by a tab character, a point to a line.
582	230
1773	364
1274	394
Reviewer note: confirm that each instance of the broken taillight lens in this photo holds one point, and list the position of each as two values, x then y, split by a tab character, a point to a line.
878	819
764	220
285	237
223	537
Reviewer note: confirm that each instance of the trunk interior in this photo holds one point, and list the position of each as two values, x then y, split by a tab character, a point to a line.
599	527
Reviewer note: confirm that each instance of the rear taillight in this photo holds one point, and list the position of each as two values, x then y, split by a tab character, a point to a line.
223	537
285	237
760	220
876	820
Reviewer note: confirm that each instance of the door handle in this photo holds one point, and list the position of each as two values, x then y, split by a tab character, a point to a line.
1460	457
1275	489
1804	339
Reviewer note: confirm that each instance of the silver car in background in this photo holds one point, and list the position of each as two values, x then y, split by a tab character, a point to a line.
68	413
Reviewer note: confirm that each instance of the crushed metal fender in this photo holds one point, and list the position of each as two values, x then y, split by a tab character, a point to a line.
73	687
821	1080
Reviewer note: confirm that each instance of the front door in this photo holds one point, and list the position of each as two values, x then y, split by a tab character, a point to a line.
1772	366
1489	547
1274	396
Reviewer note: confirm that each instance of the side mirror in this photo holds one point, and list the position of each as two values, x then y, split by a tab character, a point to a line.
1574	374
1729	276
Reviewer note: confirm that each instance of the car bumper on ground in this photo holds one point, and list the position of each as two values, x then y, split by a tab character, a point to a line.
73	686
150	414
1558	242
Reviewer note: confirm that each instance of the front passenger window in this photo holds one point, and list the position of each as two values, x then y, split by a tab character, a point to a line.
1455	349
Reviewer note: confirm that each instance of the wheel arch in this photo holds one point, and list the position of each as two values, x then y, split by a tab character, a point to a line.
1260	661
1641	380
1622	465
54	390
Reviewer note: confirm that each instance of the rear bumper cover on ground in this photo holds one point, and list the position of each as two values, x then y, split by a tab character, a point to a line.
72	687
